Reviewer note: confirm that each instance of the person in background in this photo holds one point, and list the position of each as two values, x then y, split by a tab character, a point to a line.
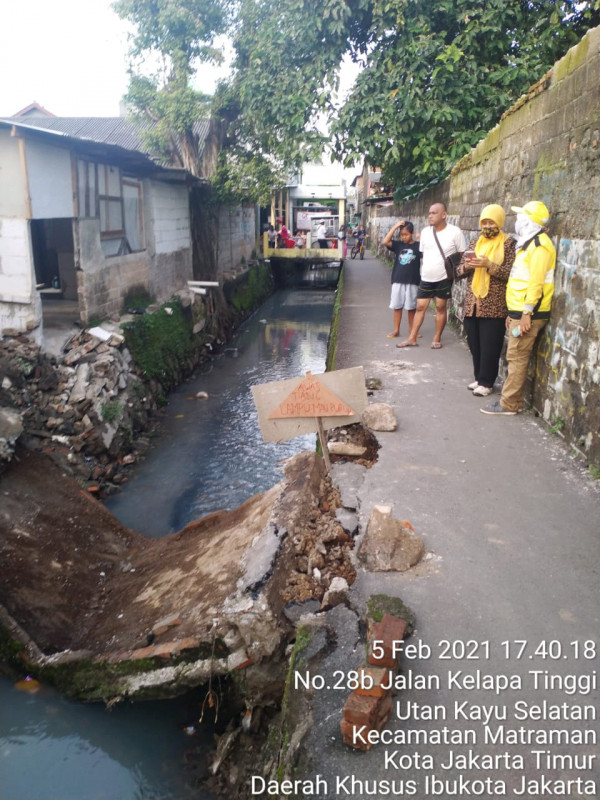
322	235
271	236
283	234
342	238
486	265
405	273
529	294
435	284
300	239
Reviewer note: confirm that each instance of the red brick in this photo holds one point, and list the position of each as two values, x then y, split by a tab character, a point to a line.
347	729
371	680
189	643
165	650
163	625
143	652
362	710
385	633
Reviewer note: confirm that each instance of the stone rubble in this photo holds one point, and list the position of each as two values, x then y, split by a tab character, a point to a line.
86	411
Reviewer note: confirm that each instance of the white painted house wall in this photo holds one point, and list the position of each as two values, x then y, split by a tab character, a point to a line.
170	217
20	305
50	181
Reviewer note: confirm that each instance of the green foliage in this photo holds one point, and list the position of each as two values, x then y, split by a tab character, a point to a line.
439	75
245	177
111	410
557	426
335	323
177	38
254	286
137	297
162	343
594	472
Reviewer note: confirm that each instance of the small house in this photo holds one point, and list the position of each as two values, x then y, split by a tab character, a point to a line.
87	216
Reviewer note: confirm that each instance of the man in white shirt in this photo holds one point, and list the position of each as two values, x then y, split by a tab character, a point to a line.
435	283
322	236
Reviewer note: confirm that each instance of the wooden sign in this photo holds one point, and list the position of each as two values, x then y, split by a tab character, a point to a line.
292	407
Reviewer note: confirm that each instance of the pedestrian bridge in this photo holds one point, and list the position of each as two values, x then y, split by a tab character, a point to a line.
307	253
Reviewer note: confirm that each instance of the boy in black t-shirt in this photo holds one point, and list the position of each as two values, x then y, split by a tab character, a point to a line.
405	274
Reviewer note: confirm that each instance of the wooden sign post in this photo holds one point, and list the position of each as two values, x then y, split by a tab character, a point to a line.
314	403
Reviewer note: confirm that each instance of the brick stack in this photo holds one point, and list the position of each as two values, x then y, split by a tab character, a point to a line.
372	705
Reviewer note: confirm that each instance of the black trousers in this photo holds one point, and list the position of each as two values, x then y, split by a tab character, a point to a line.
485	337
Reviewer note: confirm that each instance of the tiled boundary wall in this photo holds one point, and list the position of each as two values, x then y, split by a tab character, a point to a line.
546	147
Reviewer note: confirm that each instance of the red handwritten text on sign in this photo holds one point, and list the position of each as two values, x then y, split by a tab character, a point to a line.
311	399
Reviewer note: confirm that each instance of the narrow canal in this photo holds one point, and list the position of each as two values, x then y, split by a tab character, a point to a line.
210	455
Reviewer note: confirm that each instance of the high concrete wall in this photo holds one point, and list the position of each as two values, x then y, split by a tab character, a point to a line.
236	236
547	147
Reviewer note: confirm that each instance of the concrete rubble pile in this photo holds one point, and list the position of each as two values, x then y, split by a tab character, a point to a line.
84	411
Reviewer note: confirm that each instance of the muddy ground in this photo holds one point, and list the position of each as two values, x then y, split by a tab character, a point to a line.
75	579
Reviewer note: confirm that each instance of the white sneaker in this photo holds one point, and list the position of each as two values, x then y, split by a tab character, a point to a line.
472	386
482	391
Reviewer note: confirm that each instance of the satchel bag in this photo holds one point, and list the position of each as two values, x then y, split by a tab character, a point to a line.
451	262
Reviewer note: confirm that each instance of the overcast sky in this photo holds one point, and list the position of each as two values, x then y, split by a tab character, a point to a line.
70	56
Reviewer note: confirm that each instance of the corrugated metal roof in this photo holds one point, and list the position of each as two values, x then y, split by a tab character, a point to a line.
117	131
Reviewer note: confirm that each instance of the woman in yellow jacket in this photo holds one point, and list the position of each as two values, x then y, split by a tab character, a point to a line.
528	298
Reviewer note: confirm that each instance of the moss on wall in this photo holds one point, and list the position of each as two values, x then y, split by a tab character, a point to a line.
575	58
335	322
162	344
249	291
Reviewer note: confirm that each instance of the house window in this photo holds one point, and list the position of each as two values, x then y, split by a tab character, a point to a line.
132	212
86	181
109	201
116	202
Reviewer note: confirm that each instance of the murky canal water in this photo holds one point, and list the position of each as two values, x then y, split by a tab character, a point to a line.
210	456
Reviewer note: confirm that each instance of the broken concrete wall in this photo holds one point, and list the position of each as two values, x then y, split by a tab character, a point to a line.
546	147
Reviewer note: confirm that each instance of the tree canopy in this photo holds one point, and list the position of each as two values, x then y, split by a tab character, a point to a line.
171	39
437	75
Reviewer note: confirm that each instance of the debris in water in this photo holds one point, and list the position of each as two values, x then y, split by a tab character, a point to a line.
202	396
28	684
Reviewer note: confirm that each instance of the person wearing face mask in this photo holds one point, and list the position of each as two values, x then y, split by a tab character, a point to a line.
528	297
486	265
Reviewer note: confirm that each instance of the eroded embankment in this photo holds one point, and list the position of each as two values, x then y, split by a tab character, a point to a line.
105	613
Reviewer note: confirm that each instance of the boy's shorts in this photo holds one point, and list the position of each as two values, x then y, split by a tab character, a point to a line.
404	295
441	289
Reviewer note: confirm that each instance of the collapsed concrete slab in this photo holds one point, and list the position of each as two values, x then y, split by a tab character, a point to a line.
104	613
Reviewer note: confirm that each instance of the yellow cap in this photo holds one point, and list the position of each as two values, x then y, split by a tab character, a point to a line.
535	210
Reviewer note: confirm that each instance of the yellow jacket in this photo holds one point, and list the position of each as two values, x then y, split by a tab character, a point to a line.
532	278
